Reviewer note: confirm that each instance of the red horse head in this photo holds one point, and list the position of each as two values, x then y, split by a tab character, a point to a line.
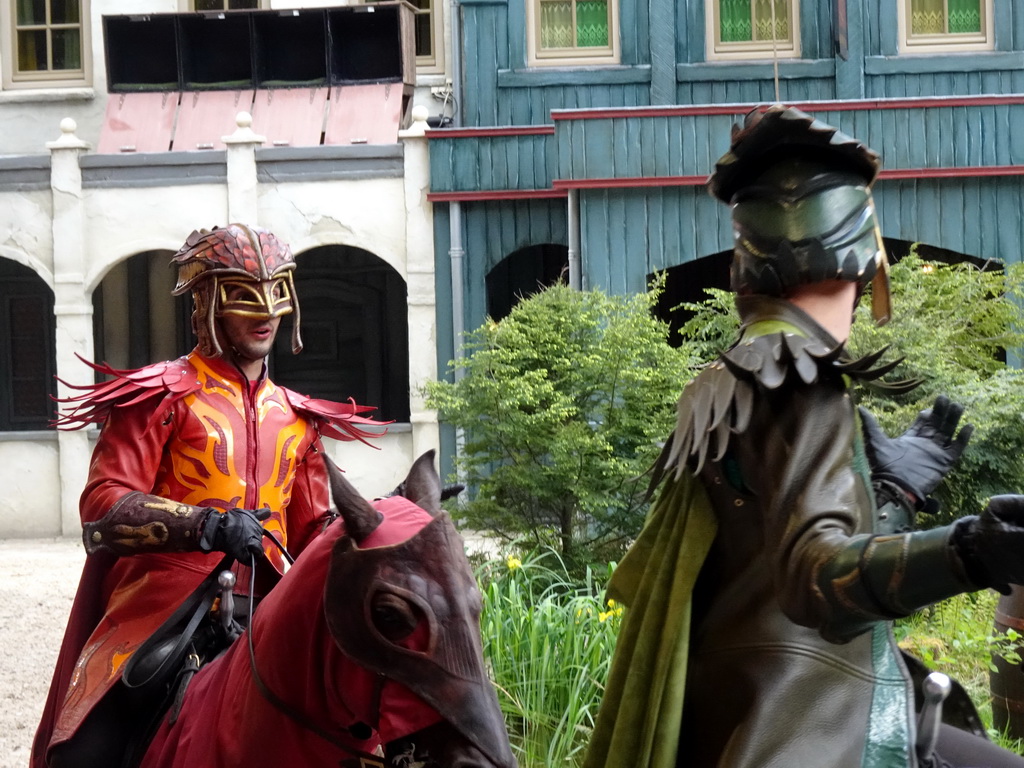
367	653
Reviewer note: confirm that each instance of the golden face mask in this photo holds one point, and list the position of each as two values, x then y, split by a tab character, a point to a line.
254	298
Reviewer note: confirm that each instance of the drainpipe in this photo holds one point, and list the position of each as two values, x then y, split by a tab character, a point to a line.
456	253
575	271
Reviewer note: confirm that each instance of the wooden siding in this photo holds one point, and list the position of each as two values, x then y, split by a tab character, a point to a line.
494	230
664	41
503	162
629	233
927	134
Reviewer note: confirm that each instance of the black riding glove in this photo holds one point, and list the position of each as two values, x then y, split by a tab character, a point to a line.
237	532
991	545
918	459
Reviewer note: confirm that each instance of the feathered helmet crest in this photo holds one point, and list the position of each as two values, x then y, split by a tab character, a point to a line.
236	270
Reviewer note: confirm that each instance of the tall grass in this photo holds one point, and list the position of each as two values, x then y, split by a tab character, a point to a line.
549	641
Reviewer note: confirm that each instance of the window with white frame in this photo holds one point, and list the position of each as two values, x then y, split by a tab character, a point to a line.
48	42
572	32
927	26
752	29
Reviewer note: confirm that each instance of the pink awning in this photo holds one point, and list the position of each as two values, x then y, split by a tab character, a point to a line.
138	122
206	116
289	117
364	114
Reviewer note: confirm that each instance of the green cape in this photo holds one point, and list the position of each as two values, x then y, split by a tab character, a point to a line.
641	713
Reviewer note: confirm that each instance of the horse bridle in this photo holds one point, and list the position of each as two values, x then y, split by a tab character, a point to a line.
366	759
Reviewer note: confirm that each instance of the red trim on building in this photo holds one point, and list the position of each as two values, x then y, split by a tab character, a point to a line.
479	133
561	187
952	173
495	194
810	106
639	181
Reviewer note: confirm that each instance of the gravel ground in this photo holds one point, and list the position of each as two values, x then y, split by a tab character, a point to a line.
39	581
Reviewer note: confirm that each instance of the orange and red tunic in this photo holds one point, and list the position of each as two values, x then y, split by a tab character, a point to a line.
191	431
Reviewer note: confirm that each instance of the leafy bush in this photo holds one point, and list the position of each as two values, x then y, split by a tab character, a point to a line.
563	403
549	642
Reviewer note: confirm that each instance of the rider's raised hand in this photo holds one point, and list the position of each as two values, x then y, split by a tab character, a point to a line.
918	459
237	532
991	545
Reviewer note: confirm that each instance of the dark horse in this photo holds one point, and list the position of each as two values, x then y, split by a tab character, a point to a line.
370	643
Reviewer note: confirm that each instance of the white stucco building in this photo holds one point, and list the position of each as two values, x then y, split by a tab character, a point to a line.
89	221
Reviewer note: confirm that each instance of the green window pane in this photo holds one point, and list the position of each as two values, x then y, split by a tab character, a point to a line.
927	17
65	12
764	19
592	23
556	25
67	49
734	21
208	5
964	16
243	5
32	50
31	12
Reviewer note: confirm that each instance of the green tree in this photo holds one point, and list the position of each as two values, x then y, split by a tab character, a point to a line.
562	404
952	325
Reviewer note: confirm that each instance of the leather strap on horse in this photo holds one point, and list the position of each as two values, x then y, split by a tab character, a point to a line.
161	655
366	759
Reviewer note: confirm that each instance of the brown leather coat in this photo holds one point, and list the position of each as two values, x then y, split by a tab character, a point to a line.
792	659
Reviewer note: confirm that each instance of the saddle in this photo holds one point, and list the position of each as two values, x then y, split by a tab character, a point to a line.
161	668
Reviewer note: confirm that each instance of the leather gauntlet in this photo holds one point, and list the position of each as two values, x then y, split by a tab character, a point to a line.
140	522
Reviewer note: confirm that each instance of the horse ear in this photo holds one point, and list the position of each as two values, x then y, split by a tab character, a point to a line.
422	486
359	515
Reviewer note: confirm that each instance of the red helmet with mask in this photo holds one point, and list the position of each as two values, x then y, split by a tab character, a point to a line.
236	270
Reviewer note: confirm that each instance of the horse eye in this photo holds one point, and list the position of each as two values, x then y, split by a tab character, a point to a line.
392	616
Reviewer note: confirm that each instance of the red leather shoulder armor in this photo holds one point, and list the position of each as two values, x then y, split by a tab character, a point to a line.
338	420
172	380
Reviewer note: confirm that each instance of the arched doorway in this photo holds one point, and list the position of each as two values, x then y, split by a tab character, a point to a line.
27	349
522	273
686	283
355	331
136	320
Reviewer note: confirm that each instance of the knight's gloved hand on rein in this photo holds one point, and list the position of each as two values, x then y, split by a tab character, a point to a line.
918	459
991	545
237	532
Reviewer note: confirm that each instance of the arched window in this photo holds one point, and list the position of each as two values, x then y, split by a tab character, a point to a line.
522	273
27	358
136	320
355	331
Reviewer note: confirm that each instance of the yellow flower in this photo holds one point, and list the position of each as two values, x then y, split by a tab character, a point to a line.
604	615
611	603
513	562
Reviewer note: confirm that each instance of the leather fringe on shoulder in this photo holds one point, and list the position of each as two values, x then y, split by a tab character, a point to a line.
338	420
172	379
719	402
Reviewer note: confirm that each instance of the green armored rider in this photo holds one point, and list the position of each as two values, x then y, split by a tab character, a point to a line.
761	592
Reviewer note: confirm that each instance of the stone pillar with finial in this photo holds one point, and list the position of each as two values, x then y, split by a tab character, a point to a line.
72	307
419	249
243	197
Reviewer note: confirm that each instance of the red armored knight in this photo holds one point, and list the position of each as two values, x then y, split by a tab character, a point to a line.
197	456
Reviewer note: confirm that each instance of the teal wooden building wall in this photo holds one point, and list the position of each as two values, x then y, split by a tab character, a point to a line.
663	61
634	143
